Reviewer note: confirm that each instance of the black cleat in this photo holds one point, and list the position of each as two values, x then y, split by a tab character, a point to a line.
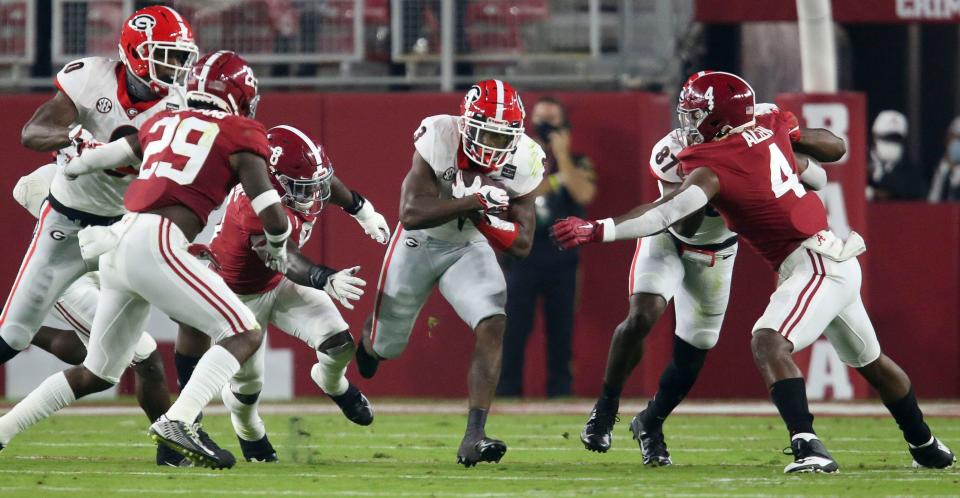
258	451
354	405
932	455
597	432
184	439
166	457
366	363
652	445
809	455
473	451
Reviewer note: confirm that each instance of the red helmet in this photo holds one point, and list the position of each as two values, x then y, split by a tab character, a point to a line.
156	45
491	123
224	79
301	169
713	105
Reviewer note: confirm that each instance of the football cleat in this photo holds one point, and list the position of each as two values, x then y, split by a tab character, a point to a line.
473	451
354	405
652	445
809	455
166	457
597	432
932	455
366	363
184	439
258	451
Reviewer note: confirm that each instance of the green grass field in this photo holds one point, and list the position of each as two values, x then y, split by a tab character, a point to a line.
414	454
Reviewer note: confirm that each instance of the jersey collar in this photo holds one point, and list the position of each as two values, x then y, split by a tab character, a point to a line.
130	108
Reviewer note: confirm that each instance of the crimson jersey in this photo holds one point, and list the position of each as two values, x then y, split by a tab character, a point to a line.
186	159
760	195
240	267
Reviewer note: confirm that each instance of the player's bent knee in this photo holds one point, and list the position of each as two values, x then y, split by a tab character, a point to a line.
150	369
85	382
768	344
337	345
701	339
492	327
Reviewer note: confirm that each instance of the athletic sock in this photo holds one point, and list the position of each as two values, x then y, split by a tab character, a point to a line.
185	366
6	352
790	396
476	422
214	370
330	370
244	414
50	396
909	418
675	382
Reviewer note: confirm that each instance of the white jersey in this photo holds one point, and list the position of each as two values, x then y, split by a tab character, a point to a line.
96	85
666	168
438	142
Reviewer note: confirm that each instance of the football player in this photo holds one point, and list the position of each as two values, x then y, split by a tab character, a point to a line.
298	301
741	164
107	99
693	261
190	160
449	225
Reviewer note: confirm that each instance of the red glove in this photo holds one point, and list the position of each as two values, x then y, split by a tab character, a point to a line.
793	124
572	232
202	251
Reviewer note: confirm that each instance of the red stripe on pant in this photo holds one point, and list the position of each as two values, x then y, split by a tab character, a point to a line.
163	236
383	278
633	265
26	261
802	293
73	321
813	293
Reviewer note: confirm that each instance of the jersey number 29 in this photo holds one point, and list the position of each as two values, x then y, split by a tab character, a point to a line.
782	177
175	137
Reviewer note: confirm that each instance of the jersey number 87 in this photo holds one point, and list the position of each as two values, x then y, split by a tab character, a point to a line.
175	137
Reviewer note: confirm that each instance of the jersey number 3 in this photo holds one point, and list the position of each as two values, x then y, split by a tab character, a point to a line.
175	137
782	177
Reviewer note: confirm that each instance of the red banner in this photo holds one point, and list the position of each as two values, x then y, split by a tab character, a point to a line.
845	11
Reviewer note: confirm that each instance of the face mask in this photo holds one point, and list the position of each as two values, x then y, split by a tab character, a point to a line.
888	151
544	130
953	151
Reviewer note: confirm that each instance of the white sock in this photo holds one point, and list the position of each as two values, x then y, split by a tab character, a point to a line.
50	396
212	372
330	372
246	419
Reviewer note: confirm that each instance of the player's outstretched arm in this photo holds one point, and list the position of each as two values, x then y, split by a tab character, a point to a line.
125	151
252	171
49	127
820	144
695	192
362	210
420	203
341	285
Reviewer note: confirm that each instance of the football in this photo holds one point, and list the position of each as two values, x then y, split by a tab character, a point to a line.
470	175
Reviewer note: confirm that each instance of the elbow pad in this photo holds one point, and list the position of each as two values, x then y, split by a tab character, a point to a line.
501	234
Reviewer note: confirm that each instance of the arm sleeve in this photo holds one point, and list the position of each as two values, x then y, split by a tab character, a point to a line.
660	217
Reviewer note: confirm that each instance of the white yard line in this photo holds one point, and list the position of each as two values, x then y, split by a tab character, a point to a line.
573	407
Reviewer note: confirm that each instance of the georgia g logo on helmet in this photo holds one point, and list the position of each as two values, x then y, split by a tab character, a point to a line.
142	22
472	96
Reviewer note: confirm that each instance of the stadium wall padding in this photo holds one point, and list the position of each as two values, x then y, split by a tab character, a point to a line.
914	266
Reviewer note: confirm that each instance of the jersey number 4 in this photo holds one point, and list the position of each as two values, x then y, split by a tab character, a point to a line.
782	177
175	137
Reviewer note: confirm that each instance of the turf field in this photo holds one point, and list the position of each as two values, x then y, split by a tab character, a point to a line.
413	454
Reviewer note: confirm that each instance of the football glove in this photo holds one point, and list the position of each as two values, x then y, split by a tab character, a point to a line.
344	287
493	199
373	223
573	231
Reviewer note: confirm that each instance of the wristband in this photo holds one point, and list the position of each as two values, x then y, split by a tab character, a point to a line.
501	234
356	205
265	200
277	240
609	229
319	275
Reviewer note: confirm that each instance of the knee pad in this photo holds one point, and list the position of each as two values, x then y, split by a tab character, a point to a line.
145	347
339	345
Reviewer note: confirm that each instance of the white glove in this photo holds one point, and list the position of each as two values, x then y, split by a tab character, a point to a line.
493	199
344	287
460	190
373	223
276	256
75	167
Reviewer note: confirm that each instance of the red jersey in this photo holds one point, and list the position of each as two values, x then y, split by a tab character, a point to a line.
240	267
186	159
760	195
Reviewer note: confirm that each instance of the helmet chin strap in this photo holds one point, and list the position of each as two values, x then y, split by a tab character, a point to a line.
137	89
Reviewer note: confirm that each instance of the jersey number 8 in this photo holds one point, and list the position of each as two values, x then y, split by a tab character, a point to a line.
175	137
